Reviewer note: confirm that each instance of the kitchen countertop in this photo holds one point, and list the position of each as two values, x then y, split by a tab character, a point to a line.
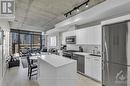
82	53
56	60
85	54
57	70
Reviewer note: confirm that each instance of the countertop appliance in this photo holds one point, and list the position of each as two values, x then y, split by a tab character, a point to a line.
116	54
71	40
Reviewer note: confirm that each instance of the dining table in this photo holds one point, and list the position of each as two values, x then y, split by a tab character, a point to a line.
33	57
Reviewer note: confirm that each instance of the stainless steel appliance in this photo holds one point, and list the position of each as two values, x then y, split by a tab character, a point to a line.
116	54
71	40
69	53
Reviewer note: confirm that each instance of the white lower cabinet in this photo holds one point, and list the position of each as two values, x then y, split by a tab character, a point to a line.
88	64
96	69
93	67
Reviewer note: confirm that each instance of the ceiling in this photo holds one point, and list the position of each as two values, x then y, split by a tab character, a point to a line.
101	12
42	14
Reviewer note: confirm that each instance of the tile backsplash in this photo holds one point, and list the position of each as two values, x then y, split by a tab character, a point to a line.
72	47
90	48
86	48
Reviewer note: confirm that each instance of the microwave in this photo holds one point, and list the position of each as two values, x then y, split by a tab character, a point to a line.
71	40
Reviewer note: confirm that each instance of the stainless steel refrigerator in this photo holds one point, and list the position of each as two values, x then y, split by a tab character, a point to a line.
116	54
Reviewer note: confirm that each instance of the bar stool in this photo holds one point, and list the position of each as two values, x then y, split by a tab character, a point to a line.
32	68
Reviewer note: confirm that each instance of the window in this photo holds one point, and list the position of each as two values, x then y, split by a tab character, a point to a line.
53	41
29	40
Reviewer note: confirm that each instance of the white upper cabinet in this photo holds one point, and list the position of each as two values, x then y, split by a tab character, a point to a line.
89	35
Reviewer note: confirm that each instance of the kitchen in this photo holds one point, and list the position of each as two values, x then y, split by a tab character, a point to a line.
86	45
86	52
89	58
87	49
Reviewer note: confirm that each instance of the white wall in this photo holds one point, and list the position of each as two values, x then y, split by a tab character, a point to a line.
30	28
60	39
57	34
61	34
0	64
4	26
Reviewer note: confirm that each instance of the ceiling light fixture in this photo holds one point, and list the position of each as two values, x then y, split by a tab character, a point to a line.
86	5
77	8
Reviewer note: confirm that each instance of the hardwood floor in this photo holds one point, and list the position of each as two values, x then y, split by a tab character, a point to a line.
18	77
84	81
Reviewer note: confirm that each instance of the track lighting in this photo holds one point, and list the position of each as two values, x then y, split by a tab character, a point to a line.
76	8
70	13
65	15
86	5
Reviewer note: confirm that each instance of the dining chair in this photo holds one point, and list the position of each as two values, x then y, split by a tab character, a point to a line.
32	68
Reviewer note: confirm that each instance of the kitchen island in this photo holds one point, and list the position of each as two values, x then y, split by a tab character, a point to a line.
57	70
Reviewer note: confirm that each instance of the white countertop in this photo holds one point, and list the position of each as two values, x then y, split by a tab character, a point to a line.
56	60
84	54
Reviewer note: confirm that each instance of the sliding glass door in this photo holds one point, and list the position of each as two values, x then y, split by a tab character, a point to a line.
36	41
26	40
